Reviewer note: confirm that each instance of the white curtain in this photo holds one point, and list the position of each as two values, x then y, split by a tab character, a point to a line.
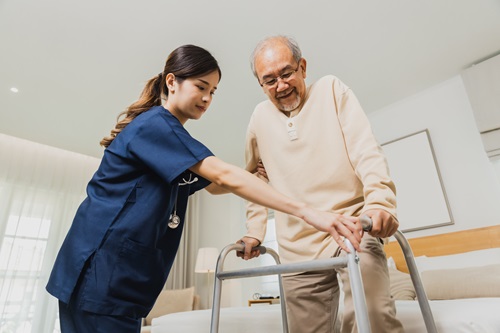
182	272
40	190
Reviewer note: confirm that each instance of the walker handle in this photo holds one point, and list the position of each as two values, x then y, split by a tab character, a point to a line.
366	223
261	248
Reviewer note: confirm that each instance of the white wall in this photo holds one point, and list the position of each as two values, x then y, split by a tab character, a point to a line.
496	164
469	178
222	223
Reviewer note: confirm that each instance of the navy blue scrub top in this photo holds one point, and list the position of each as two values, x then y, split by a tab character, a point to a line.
119	250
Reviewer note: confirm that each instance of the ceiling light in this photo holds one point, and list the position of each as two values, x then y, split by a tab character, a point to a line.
14	89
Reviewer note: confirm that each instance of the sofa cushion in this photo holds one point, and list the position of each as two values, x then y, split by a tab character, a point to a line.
170	301
401	285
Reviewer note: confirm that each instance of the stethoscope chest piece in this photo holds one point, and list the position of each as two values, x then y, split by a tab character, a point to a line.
174	221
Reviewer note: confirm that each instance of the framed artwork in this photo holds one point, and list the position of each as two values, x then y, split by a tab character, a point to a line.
421	197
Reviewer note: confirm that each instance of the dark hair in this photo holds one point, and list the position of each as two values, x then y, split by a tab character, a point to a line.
184	62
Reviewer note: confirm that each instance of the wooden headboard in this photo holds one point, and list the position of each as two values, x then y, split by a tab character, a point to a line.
445	244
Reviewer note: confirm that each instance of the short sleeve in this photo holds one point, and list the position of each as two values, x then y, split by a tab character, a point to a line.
199	184
164	146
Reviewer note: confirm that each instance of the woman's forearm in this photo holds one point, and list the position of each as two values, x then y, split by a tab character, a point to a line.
250	187
246	185
216	189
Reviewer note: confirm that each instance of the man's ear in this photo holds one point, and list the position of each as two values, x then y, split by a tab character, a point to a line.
303	66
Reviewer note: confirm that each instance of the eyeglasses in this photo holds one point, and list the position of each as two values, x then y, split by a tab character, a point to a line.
271	82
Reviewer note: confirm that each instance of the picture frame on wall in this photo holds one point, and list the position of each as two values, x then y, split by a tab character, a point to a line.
421	197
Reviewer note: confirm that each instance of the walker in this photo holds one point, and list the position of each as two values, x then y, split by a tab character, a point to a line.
350	261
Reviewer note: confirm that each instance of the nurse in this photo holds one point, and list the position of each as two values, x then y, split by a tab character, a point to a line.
121	245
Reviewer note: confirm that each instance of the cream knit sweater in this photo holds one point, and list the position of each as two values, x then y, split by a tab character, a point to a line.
331	162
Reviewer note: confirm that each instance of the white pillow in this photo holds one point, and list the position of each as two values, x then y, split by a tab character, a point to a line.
391	263
469	282
460	260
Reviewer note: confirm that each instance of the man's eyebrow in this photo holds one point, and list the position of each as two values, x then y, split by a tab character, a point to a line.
269	76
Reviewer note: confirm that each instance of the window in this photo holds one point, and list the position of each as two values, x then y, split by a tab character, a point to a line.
270	284
40	190
21	256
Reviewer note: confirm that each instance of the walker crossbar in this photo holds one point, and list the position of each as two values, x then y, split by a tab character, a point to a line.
306	266
350	261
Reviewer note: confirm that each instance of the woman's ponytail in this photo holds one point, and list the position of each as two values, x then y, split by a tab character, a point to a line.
150	96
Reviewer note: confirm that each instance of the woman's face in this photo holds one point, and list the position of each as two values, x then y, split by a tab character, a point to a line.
190	98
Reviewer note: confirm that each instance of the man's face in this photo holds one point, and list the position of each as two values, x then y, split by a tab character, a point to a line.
281	77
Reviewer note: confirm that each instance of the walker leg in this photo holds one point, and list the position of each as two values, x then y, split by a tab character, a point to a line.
214	328
360	308
417	283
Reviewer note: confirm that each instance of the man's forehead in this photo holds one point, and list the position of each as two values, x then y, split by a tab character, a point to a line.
272	59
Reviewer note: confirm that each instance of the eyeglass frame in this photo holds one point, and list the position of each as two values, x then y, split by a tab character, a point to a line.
284	77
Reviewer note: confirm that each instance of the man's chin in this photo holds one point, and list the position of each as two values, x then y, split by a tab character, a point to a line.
289	106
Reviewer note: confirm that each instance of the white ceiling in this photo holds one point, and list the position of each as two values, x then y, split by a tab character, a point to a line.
77	64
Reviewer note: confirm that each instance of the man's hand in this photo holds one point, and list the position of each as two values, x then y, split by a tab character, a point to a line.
384	224
249	244
261	170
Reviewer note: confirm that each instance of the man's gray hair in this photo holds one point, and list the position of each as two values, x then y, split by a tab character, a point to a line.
288	41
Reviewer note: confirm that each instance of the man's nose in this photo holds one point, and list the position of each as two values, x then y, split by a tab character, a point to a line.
281	85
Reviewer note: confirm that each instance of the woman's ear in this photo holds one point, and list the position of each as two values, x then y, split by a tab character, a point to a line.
170	82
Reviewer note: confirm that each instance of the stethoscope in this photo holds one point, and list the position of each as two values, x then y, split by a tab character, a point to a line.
175	220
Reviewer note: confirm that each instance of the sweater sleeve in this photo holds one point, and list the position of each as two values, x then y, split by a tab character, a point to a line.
256	214
365	154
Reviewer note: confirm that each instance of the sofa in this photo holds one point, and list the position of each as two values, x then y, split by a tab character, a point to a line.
170	301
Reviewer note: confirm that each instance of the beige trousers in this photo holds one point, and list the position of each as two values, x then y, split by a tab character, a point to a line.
312	298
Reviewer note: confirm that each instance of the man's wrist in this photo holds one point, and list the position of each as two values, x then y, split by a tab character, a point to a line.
252	237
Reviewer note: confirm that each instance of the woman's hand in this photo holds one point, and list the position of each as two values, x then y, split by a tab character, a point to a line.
338	226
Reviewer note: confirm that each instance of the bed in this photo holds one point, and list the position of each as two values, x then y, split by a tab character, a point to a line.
460	272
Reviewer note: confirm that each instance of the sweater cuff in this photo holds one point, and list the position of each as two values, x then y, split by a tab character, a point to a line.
257	231
391	211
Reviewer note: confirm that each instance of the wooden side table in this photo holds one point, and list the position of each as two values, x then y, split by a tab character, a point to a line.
263	301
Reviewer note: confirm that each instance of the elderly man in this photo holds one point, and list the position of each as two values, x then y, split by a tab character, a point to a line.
317	146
